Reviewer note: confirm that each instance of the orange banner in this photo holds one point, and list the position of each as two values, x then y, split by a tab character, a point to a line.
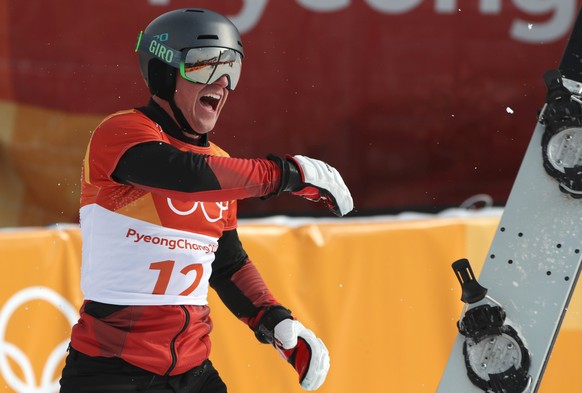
379	292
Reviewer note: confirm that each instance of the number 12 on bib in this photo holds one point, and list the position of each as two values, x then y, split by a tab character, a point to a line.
512	315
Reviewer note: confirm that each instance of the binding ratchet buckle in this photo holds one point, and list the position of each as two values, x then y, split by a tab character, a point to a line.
562	138
496	358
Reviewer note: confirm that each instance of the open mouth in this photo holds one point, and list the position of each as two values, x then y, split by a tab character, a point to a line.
210	101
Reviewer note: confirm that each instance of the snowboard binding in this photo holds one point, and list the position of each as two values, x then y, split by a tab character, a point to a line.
562	138
496	358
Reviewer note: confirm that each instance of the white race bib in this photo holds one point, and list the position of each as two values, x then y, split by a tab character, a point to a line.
133	262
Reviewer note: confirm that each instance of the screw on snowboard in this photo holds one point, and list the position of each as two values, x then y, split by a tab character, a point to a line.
512	316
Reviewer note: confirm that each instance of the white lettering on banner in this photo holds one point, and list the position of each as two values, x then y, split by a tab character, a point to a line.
249	15
564	13
222	206
559	23
324	5
451	6
393	6
30	384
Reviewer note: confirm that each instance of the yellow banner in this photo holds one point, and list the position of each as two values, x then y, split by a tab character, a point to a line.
379	292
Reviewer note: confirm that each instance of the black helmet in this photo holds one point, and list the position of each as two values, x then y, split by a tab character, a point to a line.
178	30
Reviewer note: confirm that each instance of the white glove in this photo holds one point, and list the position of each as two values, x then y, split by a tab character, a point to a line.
322	182
304	351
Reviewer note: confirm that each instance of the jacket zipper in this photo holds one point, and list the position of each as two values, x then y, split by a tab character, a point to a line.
173	342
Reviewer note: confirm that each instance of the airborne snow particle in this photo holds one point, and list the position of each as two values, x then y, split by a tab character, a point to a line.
509	110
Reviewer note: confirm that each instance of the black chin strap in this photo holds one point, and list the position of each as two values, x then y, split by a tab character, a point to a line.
183	123
170	126
162	82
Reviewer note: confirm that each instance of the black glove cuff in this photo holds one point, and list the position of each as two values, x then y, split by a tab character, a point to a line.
290	175
265	330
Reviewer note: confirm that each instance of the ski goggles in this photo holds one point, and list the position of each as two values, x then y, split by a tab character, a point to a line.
199	65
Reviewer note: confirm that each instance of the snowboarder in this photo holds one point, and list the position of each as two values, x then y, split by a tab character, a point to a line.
159	218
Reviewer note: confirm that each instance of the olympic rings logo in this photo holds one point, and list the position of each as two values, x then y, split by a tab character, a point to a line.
30	384
222	206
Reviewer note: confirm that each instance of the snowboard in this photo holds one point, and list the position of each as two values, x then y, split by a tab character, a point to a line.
513	311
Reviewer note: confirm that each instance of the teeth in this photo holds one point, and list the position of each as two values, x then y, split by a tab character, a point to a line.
214	96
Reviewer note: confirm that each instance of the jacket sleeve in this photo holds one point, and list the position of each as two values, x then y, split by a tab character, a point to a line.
239	284
162	168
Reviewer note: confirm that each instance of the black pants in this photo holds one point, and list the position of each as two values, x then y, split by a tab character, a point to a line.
84	373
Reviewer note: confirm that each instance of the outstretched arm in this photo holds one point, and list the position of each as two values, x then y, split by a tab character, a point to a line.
162	168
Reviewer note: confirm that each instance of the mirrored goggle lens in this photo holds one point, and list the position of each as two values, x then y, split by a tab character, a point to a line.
207	65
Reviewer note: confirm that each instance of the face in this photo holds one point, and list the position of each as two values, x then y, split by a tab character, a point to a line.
201	104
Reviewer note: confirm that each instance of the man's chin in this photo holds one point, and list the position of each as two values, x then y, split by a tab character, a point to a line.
199	127
191	135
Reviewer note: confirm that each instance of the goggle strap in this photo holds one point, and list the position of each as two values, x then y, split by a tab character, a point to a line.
153	45
137	45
